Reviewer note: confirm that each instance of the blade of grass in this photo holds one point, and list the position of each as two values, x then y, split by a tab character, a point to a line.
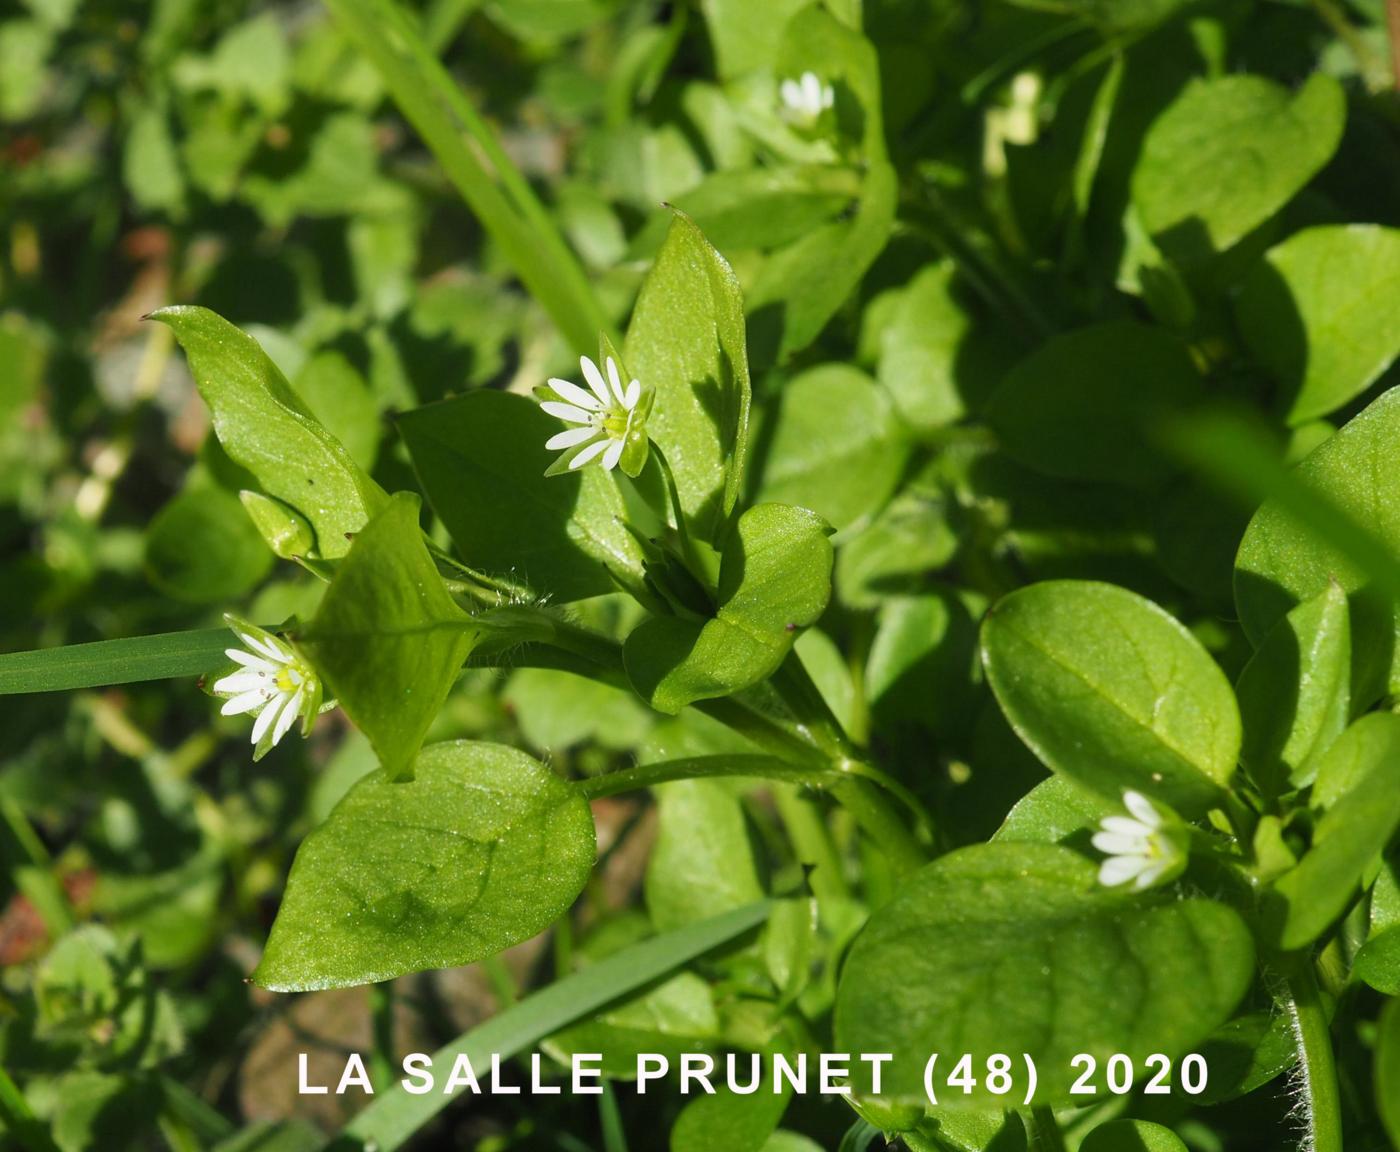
1238	456
475	162
396	1115
162	657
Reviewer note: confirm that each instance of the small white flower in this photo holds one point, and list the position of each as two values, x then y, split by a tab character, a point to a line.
805	99
1145	848
273	682
610	420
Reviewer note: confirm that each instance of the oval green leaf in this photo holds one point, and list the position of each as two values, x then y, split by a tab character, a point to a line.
1322	313
1009	947
1228	154
483	849
836	446
1112	692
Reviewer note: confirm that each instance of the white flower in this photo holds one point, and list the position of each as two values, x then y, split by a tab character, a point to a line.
805	99
1145	848
610	420
273	682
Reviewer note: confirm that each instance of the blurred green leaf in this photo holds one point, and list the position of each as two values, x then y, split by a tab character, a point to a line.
1321	312
1295	693
836	446
702	863
1358	782
1228	154
1310	533
1086	405
1387	1070
1132	1136
203	548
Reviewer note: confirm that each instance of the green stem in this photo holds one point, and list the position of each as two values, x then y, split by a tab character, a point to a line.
1320	1093
19	1120
381	1009
1045	1131
879	820
700	767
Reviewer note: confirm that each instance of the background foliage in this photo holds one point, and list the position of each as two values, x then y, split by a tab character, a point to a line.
992	306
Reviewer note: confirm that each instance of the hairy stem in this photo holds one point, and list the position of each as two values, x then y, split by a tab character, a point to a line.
1321	1099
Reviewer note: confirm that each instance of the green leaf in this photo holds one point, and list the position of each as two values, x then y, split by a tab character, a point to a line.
1112	692
483	849
556	710
746	36
1228	154
736	1123
687	341
203	549
265	428
163	657
802	286
482	461
836	447
1358	785
1319	313
1068	411
150	163
774	580
911	537
1009	948
396	1116
1282	562
816	41
1295	693
1378	962
1387	1071
1052	812
670	1019
338	395
1132	1136
920	349
744	208
922	661
702	863
388	639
